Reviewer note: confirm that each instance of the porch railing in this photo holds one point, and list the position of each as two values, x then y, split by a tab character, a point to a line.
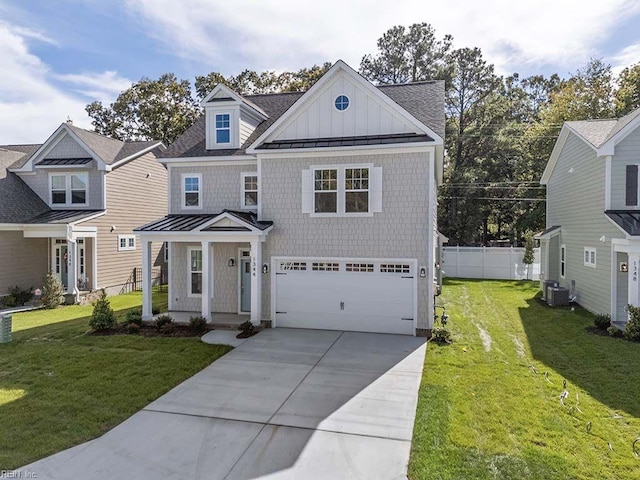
159	280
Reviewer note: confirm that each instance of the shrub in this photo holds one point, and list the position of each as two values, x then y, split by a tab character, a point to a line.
134	316
441	335
167	328
198	323
602	321
632	330
163	320
18	297
133	328
246	329
103	316
52	291
615	332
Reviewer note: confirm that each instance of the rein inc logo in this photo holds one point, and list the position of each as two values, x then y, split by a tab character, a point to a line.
17	474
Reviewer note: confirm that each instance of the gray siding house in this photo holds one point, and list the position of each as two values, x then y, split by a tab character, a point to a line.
314	209
69	206
593	213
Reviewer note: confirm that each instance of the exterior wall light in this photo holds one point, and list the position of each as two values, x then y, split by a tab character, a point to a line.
423	272
232	262
265	268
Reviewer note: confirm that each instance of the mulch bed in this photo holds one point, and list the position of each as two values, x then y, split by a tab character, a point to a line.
150	330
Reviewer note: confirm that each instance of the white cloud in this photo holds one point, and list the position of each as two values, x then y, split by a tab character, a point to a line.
626	57
103	86
286	34
31	105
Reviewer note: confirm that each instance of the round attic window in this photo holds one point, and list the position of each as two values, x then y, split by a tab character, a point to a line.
341	102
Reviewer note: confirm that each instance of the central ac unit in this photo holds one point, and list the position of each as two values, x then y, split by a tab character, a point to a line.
545	286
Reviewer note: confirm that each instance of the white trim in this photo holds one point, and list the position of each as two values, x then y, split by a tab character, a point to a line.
213	237
608	147
382	149
341	191
127	239
90	217
614	285
607	183
233	218
68	189
94	262
243	192
63	167
170	278
239	270
626	235
322	84
259	171
232	131
555	154
183	200
189	271
563	260
212	160
592	253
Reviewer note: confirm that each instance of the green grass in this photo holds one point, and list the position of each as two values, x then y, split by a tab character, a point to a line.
490	412
60	387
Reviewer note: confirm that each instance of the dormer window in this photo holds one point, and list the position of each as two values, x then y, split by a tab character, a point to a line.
223	128
68	189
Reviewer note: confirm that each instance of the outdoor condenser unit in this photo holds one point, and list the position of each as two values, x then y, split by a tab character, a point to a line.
557	296
545	286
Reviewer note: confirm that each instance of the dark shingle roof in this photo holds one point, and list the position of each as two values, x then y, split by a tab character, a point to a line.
18	203
423	100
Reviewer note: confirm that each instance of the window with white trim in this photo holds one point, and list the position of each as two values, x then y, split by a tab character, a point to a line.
590	257
126	242
250	190
563	260
356	196
195	272
223	128
191	190
166	252
68	189
325	190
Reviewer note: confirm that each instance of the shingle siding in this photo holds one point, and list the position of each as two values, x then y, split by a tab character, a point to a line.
67	147
39	183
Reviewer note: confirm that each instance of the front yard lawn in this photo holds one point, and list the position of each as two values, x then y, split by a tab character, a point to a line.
489	405
60	387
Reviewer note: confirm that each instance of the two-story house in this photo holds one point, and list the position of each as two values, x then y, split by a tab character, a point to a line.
593	213
314	209
69	206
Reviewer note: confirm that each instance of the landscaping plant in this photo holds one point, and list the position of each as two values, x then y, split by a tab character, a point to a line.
18	297
246	330
103	316
602	321
163	320
134	316
52	291
528	257
632	329
198	323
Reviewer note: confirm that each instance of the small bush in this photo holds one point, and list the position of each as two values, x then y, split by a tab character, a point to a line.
198	324
18	297
632	330
167	328
134	316
155	310
441	335
133	328
163	320
103	316
246	329
602	321
52	291
615	332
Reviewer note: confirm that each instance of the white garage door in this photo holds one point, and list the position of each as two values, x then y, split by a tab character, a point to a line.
337	294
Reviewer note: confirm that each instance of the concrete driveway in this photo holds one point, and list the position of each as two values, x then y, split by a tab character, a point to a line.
285	404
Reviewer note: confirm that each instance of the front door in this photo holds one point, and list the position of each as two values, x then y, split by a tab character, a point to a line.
60	262
245	285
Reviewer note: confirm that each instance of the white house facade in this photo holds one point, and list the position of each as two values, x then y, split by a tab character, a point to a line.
311	209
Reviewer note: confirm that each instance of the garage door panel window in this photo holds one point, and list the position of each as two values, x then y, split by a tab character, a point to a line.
325	267
293	266
360	267
395	268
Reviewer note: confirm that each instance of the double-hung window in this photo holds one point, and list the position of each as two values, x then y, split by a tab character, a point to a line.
126	242
563	260
195	272
325	190
590	257
68	188
223	128
342	190
631	186
249	190
356	197
191	191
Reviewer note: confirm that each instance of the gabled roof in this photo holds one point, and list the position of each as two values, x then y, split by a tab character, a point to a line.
547	233
18	203
206	223
423	100
596	132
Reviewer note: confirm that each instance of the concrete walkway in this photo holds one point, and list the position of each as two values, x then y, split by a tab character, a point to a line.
286	403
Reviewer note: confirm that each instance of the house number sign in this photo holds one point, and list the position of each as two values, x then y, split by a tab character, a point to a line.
634	271
253	266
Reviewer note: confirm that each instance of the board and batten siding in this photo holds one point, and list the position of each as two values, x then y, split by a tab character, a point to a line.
221	188
136	194
576	202
27	261
627	152
399	231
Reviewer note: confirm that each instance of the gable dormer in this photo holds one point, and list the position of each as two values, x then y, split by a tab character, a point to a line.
230	118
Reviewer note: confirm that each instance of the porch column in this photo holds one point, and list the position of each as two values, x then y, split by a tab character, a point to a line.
256	282
634	272
94	262
206	284
147	311
72	259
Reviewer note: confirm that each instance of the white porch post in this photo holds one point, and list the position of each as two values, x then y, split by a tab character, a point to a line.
147	311
256	282
94	262
206	284
72	255
634	272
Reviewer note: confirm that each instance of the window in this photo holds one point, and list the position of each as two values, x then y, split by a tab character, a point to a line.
166	252
126	242
360	267
296	266
395	268
223	128
341	102
563	260
68	188
325	267
249	190
631	191
195	272
191	188
356	190
590	257
325	191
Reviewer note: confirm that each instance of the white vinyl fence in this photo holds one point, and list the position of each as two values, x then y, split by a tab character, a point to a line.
497	263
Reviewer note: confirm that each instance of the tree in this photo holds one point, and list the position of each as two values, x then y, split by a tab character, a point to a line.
408	55
628	91
52	291
528	257
103	317
159	109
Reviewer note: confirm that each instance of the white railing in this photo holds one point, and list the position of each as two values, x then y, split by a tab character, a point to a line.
497	263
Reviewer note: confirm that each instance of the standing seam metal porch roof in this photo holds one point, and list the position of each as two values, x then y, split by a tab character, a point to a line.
628	220
189	223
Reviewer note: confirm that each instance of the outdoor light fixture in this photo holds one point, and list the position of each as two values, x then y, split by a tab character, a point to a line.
265	268
423	272
232	262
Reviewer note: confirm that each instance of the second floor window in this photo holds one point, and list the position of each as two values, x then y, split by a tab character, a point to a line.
191	191
69	189
223	128
631	191
325	190
249	190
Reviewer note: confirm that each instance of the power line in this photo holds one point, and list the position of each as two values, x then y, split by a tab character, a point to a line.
513	199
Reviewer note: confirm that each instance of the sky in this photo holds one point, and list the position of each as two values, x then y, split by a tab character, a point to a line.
58	56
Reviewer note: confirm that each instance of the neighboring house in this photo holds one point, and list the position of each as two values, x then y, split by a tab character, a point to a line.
593	213
313	209
69	206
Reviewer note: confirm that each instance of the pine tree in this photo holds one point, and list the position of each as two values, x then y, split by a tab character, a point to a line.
52	291
103	316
